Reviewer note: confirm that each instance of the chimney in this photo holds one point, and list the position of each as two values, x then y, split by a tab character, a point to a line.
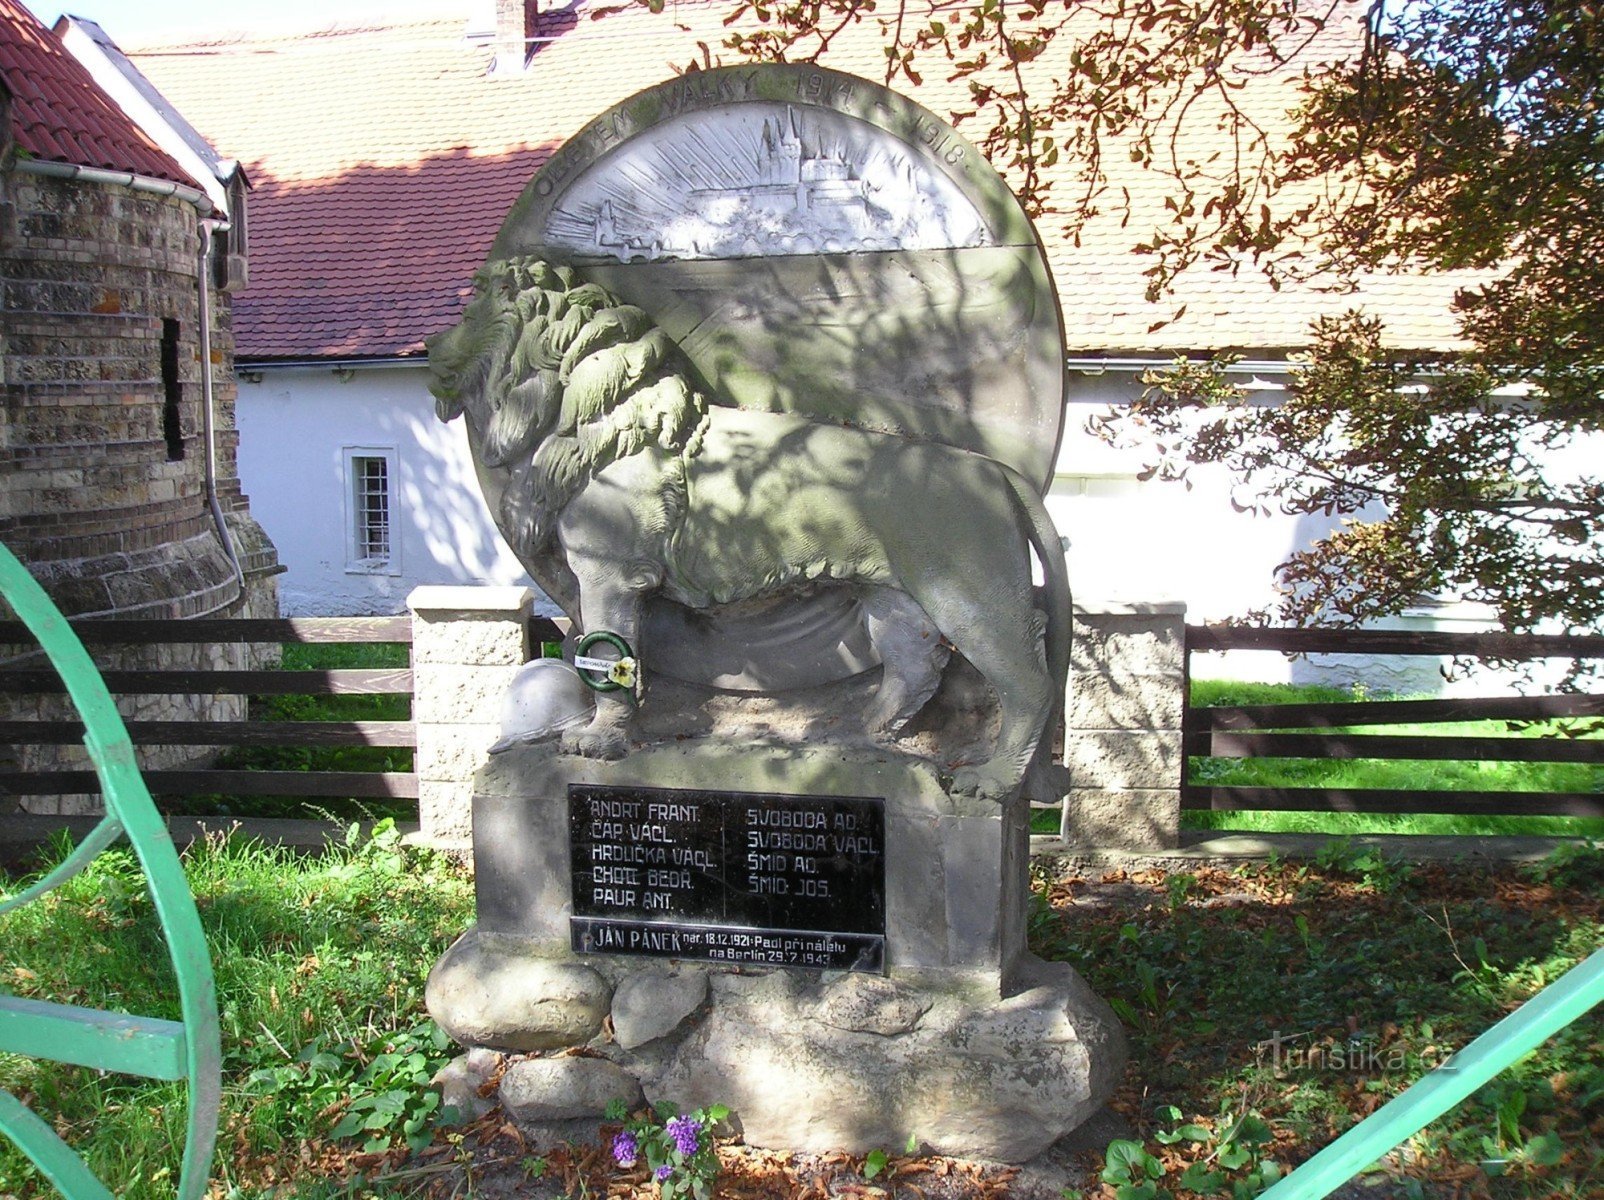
516	21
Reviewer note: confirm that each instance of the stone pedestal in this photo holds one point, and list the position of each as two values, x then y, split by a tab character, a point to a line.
965	1042
957	872
467	644
1126	698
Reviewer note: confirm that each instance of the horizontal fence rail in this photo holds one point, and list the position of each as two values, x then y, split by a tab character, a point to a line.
1395	800
1395	712
223	733
1292	731
355	784
1512	646
23	677
203	631
345	681
1380	745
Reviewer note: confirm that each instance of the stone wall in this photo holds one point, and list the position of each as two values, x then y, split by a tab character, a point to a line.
102	436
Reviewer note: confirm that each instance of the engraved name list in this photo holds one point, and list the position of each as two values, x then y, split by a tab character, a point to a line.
796	881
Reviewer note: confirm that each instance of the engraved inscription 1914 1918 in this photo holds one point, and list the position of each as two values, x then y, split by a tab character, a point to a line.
728	876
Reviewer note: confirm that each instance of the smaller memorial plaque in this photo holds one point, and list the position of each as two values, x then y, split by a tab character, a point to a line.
792	881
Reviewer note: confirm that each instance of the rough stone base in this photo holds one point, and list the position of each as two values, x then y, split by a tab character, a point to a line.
967	1045
805	1060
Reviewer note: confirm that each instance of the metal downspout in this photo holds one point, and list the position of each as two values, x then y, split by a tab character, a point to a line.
208	227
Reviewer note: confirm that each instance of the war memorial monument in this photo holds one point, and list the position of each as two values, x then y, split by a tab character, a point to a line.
764	382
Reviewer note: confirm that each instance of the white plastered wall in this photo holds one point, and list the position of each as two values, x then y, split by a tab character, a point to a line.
1135	541
298	429
1131	541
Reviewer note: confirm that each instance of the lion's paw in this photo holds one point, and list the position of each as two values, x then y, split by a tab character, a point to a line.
983	782
591	742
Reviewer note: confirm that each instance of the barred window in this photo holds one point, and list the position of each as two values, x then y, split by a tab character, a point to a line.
370	474
371	478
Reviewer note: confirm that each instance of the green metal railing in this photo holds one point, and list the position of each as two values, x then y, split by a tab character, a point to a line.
1528	1027
158	1049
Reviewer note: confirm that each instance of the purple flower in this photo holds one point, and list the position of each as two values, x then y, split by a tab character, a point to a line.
663	1172
686	1132
625	1149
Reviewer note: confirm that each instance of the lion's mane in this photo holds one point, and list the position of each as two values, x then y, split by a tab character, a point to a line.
559	379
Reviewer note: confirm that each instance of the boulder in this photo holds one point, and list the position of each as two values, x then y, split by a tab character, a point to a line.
652	1003
565	1089
871	1004
489	991
460	1079
1000	1080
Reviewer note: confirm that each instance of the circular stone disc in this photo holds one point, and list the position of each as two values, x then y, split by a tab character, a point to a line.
816	244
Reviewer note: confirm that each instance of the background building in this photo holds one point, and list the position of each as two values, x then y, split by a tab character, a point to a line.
118	484
384	157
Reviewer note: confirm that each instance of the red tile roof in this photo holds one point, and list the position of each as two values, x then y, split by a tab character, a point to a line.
59	113
385	157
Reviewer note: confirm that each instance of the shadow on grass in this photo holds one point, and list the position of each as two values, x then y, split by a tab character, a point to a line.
1312	994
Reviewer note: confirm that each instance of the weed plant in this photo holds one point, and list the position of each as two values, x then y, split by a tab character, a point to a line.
320	964
675	1152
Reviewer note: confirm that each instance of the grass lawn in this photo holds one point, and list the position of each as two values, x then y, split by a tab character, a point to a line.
1284	1001
1374	773
320	966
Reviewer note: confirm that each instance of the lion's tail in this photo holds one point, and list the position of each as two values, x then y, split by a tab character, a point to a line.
1046	781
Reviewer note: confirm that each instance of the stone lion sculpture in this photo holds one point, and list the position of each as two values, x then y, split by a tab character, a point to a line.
609	468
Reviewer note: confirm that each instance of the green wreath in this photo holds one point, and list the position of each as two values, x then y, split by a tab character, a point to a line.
617	674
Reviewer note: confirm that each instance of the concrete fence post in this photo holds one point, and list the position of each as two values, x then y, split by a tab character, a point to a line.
467	643
1123	726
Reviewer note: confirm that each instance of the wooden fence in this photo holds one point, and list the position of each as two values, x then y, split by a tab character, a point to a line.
1301	730
39	679
1274	731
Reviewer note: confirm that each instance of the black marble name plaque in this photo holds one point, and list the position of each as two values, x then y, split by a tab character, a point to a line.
739	877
